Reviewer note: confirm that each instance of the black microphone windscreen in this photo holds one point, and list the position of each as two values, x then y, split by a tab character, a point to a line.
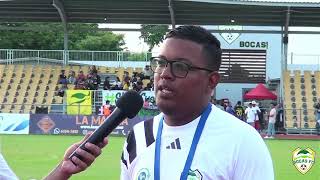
130	103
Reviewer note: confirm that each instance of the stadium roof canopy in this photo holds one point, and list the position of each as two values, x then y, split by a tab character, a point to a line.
200	12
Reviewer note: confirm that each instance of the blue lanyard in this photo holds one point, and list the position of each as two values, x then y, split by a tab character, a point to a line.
192	150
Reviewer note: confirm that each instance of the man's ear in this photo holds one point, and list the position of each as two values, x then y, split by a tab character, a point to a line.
214	78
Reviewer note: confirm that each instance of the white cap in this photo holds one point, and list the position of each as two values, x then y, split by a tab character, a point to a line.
253	102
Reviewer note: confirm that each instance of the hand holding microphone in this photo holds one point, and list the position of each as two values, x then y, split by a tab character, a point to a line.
128	105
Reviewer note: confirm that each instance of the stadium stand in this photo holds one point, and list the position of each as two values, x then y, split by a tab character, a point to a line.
301	90
23	87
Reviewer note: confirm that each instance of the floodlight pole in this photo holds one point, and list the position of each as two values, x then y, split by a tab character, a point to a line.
284	59
173	21
59	6
286	39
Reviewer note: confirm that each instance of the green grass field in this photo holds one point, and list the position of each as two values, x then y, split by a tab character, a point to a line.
33	156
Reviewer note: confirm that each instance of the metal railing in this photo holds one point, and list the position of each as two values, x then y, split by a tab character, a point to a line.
304	62
304	59
10	56
300	120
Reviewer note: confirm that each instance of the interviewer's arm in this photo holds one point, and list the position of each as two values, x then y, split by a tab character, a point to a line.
66	168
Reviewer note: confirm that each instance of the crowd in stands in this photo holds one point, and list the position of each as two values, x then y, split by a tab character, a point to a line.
92	81
134	82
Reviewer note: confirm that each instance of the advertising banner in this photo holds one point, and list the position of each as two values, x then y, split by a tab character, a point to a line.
113	95
79	124
14	123
79	102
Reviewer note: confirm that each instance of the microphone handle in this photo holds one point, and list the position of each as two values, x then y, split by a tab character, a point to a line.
110	123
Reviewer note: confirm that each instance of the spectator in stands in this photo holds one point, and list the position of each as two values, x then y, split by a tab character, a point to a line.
138	85
147	72
126	85
134	77
250	114
62	90
93	70
126	77
80	84
72	77
81	77
257	111
317	107
63	78
126	82
272	121
140	75
106	84
149	86
93	81
118	85
239	111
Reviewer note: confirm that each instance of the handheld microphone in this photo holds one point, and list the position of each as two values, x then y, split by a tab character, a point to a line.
128	105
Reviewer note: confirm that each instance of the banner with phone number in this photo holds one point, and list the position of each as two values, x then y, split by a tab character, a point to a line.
61	124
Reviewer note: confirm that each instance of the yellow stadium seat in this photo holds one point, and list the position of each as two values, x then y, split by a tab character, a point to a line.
138	69
317	78
145	82
130	71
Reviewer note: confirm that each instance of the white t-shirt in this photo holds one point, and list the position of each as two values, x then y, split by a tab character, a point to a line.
273	114
251	116
5	172
224	151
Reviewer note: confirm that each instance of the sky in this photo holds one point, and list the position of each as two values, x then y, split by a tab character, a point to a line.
301	45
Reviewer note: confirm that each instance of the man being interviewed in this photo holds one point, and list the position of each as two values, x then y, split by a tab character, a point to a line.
191	138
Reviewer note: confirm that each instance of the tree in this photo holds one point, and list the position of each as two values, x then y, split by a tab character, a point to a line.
106	41
153	35
50	36
131	56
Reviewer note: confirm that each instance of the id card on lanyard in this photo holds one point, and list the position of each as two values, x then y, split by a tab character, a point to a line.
195	141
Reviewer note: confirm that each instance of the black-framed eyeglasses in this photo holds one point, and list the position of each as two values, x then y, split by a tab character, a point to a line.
178	68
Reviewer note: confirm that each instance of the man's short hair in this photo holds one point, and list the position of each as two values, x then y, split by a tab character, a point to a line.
197	34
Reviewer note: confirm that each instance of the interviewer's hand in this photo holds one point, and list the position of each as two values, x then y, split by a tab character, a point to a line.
66	168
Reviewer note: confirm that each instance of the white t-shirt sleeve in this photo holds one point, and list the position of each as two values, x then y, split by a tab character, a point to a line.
5	171
253	160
